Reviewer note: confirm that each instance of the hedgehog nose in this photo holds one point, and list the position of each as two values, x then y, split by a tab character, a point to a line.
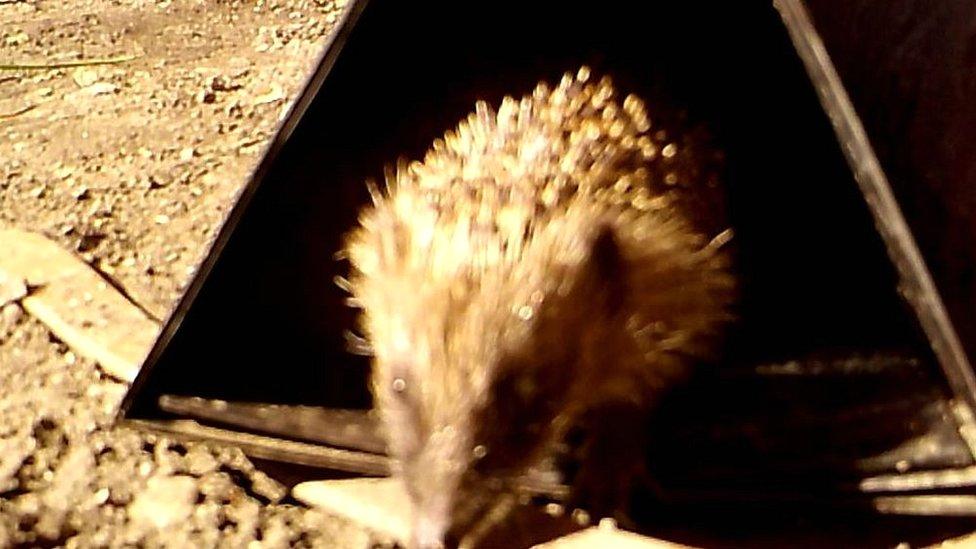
430	524
428	534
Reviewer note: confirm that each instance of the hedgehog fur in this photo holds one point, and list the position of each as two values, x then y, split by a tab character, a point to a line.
524	272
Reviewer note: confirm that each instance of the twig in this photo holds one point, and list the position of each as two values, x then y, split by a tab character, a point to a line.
68	64
17	112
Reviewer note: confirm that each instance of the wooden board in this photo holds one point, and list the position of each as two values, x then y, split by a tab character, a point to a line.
78	305
381	505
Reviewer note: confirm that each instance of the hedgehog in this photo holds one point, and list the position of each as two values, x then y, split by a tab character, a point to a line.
528	271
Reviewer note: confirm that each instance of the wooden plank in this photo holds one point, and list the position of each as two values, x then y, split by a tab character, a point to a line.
262	447
351	429
382	505
79	306
379	504
606	535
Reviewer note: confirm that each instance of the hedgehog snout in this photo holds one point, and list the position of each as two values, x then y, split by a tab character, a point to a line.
429	529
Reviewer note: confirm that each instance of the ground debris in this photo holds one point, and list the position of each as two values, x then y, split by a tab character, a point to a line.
100	90
12	288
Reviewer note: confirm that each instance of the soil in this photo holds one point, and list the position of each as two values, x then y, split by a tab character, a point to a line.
133	164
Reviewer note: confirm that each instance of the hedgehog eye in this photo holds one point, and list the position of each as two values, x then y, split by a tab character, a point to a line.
399	380
399	386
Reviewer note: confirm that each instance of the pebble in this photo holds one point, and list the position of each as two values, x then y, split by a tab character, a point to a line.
199	461
84	77
80	192
272	94
12	288
113	502
11	313
101	88
166	500
63	172
267	487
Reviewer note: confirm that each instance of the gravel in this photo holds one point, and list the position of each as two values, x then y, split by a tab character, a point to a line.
133	164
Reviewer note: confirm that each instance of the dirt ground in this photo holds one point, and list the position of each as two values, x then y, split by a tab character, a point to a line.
133	164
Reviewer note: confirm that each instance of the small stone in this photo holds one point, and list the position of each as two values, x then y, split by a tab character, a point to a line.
63	172
100	497
29	504
166	500
84	77
80	192
200	461
155	182
223	83
11	314
267	487
145	468
161	219
219	487
274	93
12	288
89	241
186	153
101	88
206	96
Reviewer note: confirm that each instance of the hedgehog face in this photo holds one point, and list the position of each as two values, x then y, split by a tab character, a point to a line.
435	384
474	375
